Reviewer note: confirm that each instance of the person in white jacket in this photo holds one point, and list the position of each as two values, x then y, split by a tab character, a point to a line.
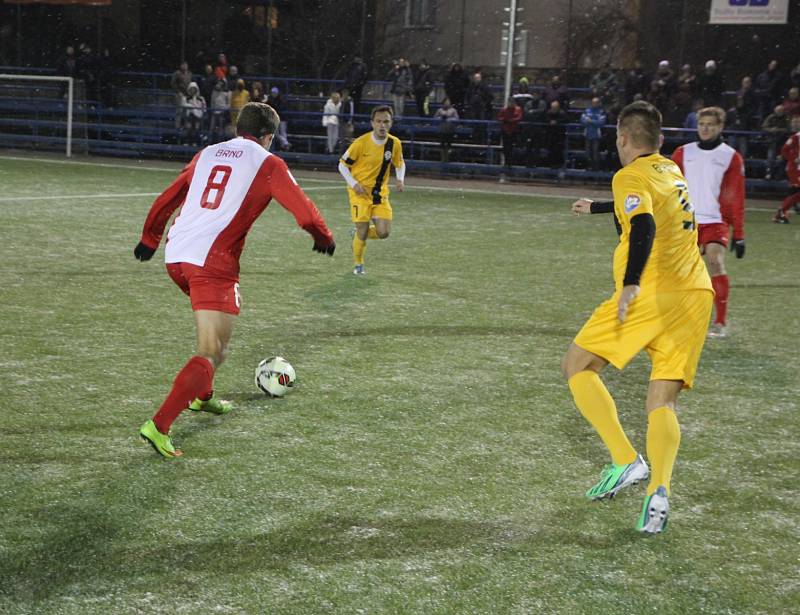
330	119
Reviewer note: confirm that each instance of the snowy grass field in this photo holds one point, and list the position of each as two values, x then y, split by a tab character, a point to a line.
430	459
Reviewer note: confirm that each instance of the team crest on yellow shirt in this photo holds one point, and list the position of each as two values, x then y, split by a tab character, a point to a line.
631	202
387	155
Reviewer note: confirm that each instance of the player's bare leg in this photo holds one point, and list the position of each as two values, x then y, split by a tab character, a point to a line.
663	440
714	256
382	227
214	330
581	369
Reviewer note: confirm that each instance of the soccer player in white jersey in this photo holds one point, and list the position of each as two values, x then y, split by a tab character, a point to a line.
221	192
715	174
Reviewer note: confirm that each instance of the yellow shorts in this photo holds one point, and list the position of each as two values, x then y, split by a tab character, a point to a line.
671	326
362	210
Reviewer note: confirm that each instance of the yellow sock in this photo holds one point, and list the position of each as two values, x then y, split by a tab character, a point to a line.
663	440
597	406
359	247
372	233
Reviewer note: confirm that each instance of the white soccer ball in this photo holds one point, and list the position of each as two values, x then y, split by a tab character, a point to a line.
275	376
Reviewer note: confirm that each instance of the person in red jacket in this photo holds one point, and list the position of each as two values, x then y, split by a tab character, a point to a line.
790	152
715	174
509	116
221	193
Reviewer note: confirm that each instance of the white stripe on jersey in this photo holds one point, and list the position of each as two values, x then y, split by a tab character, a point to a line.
222	178
704	170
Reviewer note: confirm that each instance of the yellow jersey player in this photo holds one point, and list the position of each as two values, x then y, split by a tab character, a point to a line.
365	167
662	304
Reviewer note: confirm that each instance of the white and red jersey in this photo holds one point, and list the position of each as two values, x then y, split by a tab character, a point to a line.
716	184
790	152
223	190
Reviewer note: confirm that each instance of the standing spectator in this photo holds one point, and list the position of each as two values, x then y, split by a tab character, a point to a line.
194	110
533	116
769	88
744	115
791	104
87	70
556	120
794	76
690	122
790	152
221	69
604	84
67	67
423	84
179	83
402	86
239	98
687	81
479	99
105	78
330	119
233	77
204	246
684	96
714	172
456	84
710	85
207	82
593	119
257	92
276	101
635	82
557	91
665	77
346	117
448	118
479	106
523	95
220	110
776	125
181	79
354	81
658	96
510	116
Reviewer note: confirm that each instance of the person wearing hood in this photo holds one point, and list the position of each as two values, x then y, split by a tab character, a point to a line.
239	98
194	110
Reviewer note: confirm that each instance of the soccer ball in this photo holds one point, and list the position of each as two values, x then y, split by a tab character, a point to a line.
275	376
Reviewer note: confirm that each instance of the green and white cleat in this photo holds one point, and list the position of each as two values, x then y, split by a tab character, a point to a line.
161	442
213	405
655	512
615	477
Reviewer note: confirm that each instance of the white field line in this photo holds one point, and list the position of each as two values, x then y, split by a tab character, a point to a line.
339	184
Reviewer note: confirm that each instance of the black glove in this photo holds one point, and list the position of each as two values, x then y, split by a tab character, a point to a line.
737	245
329	249
143	252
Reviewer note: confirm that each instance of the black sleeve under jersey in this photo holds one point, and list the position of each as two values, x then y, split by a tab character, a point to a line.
643	231
601	207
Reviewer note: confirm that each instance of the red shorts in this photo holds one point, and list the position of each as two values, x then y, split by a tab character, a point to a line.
207	290
712	233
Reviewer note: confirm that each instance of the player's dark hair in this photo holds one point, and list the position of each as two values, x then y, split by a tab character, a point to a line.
642	123
381	109
257	120
718	113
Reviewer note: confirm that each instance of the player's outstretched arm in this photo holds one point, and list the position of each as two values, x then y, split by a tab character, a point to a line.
588	206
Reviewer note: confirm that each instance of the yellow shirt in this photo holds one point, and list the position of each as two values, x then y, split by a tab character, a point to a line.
366	159
654	184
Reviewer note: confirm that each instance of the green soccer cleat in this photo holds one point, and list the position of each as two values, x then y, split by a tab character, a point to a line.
615	477
655	512
213	405
161	442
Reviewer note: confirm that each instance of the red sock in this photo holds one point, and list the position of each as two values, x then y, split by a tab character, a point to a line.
721	286
194	380
790	201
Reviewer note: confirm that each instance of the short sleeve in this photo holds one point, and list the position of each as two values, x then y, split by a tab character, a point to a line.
631	196
353	153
